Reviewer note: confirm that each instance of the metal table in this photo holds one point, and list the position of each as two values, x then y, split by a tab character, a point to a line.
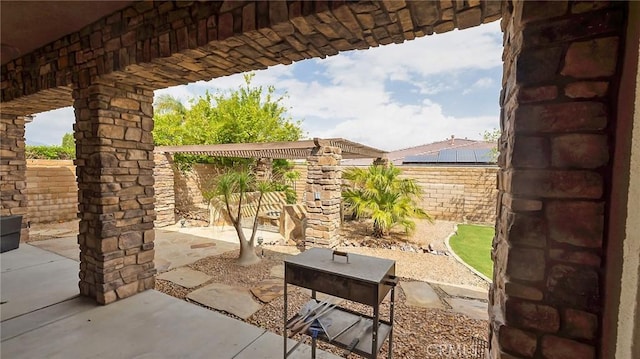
354	277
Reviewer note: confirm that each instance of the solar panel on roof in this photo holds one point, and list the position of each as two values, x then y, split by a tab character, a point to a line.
484	156
430	158
421	159
466	156
454	156
448	156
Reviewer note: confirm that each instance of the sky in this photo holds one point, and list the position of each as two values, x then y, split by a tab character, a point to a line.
390	97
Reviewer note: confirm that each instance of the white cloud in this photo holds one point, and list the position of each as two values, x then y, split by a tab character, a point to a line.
47	128
348	94
394	126
482	83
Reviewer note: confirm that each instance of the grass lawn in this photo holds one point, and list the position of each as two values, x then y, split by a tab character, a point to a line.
473	245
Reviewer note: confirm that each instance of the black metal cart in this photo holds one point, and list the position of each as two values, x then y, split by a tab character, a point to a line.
354	277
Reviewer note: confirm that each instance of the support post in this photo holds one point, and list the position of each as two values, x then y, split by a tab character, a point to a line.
323	197
114	150
13	170
546	298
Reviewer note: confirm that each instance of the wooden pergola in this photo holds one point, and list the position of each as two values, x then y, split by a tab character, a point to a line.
290	150
322	196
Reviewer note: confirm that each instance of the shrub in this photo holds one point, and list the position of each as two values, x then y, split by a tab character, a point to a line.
50	152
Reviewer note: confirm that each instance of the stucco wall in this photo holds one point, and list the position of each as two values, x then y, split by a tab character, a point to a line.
52	191
625	232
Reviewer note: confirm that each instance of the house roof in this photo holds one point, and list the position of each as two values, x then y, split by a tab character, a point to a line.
397	157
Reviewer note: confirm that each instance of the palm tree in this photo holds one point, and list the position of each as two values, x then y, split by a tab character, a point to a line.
165	104
379	193
233	189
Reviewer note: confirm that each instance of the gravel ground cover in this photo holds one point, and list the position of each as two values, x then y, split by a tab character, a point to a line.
418	332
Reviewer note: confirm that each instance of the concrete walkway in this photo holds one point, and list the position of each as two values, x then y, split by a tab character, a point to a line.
175	246
46	319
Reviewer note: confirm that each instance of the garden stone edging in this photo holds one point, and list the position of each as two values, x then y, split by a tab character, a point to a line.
454	255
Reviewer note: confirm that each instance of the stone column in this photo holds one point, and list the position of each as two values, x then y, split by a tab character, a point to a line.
164	188
560	69
114	150
263	169
323	197
13	170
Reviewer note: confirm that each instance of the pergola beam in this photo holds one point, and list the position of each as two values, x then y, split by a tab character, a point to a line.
278	150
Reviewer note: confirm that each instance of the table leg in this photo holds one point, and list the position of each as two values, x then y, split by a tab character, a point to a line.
313	340
374	331
392	305
284	326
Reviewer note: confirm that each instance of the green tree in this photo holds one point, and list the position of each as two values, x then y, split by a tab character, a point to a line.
168	104
379	193
493	136
50	152
233	189
169	118
68	141
248	114
291	177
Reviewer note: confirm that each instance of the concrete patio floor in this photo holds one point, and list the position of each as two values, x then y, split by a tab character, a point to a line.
175	246
43	317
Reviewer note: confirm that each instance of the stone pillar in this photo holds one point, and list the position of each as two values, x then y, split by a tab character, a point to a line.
381	161
323	197
165	204
114	150
13	170
263	169
560	69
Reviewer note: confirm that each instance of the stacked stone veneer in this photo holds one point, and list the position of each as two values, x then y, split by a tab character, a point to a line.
165	204
152	45
263	169
162	43
13	185
323	196
560	76
52	191
114	150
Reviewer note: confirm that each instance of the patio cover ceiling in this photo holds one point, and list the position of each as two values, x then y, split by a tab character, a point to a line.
279	150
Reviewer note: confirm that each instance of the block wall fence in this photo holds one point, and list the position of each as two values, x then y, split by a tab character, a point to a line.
52	191
450	193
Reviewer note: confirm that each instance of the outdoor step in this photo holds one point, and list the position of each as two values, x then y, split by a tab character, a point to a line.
185	277
420	294
235	300
474	309
466	292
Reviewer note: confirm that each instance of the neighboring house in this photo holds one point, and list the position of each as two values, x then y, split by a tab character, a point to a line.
456	151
